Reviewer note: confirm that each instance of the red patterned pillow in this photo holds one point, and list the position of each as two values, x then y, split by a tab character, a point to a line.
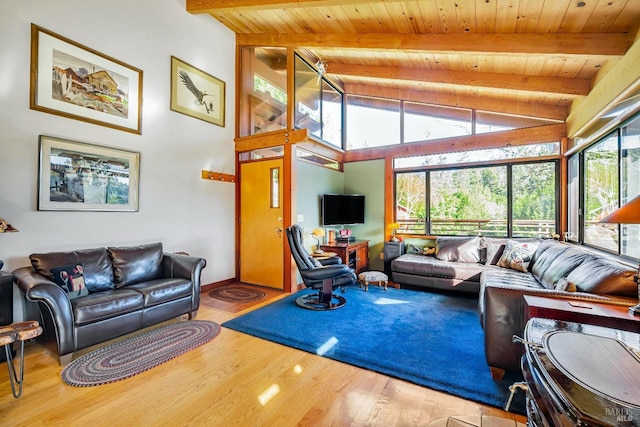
71	279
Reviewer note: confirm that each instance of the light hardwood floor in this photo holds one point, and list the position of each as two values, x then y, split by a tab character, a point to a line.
234	380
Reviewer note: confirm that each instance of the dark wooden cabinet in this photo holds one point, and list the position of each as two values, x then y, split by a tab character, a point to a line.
391	251
6	304
354	254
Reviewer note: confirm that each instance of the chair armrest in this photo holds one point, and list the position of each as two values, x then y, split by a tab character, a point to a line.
327	272
332	260
185	267
51	297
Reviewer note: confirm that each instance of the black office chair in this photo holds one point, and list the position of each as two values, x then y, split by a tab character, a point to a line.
324	275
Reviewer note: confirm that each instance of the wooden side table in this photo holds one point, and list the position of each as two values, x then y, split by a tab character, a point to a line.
587	312
354	254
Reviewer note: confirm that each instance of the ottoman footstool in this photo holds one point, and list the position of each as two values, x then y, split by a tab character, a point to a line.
378	277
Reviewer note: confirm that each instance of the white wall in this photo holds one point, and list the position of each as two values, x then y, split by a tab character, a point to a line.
177	207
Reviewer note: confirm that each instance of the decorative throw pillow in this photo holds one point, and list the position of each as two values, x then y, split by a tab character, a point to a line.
71	279
413	249
458	249
428	251
518	255
564	285
494	253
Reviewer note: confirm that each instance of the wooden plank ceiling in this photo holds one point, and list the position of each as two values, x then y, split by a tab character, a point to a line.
514	55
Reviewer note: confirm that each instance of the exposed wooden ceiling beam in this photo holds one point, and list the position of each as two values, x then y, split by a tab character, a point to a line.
507	82
220	6
528	109
576	45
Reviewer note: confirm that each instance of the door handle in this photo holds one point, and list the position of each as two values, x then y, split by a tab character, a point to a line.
278	229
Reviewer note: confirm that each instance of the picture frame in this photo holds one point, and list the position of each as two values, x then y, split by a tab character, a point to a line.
77	176
196	93
77	82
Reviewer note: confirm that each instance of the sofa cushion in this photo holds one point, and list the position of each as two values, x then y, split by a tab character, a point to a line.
561	266
502	277
159	291
545	255
429	266
601	276
518	255
98	272
71	279
104	305
135	264
458	249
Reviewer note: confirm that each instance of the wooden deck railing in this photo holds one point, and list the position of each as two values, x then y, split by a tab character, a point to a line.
482	227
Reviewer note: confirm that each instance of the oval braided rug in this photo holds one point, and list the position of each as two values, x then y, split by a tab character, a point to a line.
237	294
137	354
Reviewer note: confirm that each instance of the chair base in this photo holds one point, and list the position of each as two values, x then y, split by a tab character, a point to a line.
319	303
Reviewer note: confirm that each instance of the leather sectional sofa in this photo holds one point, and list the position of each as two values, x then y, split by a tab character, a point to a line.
553	269
127	288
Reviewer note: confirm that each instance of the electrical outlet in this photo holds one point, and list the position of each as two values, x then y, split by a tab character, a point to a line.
300	218
382	255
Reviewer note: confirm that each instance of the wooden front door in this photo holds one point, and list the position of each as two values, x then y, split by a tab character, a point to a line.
261	226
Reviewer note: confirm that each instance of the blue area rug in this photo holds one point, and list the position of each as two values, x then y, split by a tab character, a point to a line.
431	339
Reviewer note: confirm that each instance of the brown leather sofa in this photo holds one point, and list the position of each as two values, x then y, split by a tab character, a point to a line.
129	287
557	270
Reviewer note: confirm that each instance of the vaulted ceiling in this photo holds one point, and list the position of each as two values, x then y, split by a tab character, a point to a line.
531	57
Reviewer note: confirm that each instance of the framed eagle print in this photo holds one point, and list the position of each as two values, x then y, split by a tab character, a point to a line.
196	93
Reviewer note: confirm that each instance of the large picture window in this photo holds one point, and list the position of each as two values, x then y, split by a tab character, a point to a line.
469	201
603	177
630	182
534	199
478	200
601	192
318	104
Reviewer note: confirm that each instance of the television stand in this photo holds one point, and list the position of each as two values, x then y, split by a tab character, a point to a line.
354	254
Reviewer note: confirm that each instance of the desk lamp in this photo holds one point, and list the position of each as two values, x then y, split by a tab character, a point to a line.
317	234
5	227
628	214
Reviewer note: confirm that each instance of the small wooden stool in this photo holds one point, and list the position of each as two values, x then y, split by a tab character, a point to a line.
367	277
20	331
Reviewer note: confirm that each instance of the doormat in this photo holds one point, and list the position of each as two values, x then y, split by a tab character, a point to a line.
237	294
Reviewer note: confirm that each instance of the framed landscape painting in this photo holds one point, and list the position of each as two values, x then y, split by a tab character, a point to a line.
75	81
196	93
75	176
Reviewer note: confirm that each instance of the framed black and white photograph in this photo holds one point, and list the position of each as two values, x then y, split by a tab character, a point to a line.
76	176
75	81
196	93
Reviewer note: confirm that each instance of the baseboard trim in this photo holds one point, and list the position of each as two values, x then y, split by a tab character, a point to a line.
214	285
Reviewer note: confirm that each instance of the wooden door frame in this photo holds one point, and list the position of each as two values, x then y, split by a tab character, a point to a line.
288	179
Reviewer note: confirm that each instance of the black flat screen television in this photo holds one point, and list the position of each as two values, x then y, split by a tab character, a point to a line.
342	209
